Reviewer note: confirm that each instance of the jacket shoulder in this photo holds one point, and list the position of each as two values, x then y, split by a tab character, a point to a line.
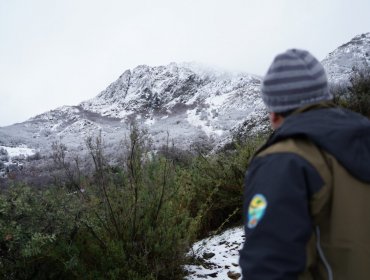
305	149
317	158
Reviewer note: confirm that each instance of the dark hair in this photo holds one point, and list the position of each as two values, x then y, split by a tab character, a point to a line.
286	113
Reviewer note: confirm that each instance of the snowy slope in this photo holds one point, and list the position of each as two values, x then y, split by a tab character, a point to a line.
184	99
339	63
218	255
20	151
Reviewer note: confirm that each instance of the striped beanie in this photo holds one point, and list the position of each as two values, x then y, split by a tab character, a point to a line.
294	79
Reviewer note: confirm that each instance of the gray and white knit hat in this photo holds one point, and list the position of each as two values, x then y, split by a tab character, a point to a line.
294	79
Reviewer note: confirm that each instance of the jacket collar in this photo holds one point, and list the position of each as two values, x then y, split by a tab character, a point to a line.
300	110
321	105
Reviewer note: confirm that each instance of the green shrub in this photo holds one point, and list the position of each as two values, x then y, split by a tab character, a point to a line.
355	96
34	226
124	222
135	220
217	181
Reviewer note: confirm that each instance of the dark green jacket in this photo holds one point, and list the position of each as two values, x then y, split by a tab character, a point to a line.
307	199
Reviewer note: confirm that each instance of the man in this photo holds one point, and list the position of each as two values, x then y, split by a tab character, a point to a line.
307	191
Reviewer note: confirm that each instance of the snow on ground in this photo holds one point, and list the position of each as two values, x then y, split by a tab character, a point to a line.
150	121
22	150
218	256
201	121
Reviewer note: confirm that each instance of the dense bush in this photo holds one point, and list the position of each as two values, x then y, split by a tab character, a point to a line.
120	223
135	220
356	95
217	181
36	230
4	155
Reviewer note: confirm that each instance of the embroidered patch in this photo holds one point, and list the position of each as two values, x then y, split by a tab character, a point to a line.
256	210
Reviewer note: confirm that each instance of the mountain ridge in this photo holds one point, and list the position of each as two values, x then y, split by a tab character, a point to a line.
190	101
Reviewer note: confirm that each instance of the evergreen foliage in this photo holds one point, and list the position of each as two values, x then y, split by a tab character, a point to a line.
356	95
134	220
217	181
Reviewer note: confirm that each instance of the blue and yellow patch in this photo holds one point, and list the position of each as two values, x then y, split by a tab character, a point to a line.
256	210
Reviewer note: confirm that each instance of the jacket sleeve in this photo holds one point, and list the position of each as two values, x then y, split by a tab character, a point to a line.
277	220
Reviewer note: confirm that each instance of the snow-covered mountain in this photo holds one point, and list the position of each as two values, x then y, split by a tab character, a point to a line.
339	63
192	103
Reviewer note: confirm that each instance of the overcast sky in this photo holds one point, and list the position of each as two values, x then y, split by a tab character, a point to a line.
55	53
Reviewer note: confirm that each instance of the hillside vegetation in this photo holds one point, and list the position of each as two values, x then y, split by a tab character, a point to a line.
132	220
356	95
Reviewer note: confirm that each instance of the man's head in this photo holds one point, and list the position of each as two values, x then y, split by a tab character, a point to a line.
294	79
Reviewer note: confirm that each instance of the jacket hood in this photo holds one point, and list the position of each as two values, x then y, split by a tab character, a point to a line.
342	133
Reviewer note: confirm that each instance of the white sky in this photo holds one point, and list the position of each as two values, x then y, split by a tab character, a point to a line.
61	52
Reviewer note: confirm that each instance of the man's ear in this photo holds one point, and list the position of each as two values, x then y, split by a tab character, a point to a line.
276	120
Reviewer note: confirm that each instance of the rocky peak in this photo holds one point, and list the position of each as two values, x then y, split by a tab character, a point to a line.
156	90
